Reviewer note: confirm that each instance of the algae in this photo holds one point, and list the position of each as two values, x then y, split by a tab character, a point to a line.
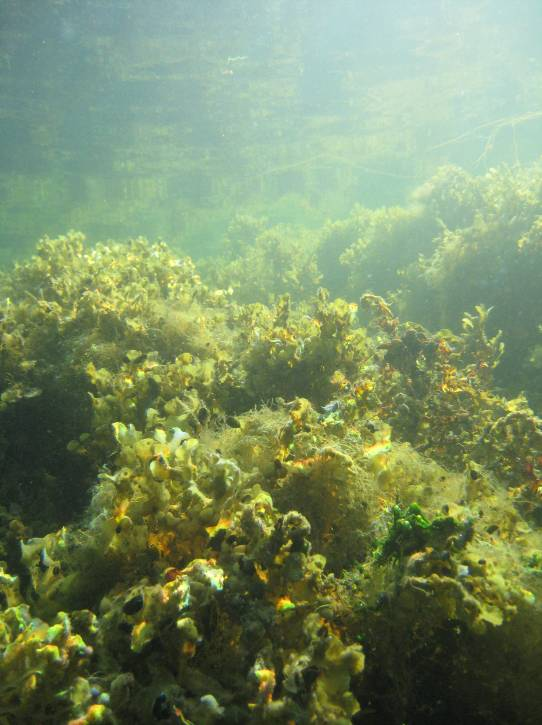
281	516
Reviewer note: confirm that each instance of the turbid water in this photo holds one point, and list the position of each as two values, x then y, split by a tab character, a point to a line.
270	354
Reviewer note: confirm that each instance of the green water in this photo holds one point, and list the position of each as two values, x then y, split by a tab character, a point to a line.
166	119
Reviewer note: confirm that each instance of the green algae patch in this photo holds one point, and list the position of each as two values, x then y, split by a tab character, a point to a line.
410	531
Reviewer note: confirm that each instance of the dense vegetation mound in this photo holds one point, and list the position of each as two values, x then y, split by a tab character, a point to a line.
229	502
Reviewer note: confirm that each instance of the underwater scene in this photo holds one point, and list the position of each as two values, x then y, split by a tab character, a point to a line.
270	362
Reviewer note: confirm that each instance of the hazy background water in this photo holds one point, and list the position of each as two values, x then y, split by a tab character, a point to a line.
165	118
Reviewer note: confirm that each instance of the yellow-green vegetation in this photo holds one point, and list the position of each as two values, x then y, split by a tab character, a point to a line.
217	509
261	264
462	240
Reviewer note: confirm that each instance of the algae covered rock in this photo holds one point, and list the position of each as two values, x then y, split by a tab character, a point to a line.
282	516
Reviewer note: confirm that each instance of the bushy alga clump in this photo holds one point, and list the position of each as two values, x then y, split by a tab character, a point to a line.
66	312
437	391
308	353
207	574
437	586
